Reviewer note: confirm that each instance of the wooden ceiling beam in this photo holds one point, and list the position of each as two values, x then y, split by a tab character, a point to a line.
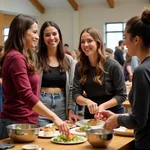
38	5
111	3
73	4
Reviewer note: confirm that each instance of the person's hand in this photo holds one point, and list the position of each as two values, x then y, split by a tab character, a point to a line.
101	108
103	115
72	117
61	125
92	106
111	123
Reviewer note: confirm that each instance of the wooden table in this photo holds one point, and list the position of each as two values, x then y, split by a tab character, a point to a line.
117	143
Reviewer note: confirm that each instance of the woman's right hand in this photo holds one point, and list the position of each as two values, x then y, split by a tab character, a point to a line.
92	106
61	125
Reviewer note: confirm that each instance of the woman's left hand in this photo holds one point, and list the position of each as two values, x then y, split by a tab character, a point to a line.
73	117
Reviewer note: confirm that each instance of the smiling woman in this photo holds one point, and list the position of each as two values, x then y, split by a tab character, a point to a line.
21	81
57	72
99	76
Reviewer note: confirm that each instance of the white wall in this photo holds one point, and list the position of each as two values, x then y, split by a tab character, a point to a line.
72	23
63	17
97	15
16	7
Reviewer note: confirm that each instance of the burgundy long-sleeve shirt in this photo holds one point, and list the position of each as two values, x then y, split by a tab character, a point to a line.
21	89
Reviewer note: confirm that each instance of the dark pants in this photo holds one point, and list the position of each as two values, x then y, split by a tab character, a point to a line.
3	127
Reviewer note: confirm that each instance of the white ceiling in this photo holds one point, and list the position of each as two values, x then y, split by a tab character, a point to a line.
65	3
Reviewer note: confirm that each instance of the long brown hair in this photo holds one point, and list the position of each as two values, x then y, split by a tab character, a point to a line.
18	27
84	61
42	52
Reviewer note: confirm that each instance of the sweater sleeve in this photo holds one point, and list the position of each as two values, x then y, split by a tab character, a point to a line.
19	73
118	82
77	87
139	97
71	104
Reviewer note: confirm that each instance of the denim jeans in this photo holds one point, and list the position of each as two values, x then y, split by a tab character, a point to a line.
3	127
56	103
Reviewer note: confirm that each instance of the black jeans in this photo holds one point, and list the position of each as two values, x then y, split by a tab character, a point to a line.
3	127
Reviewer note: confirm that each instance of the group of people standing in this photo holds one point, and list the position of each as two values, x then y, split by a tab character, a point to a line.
43	87
127	62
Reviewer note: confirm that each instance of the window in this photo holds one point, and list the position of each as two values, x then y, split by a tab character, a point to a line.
113	33
6	32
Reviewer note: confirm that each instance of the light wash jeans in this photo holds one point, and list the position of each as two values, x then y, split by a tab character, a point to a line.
56	103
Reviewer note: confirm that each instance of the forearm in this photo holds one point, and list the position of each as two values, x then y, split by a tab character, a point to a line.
129	70
41	109
0	80
108	104
82	100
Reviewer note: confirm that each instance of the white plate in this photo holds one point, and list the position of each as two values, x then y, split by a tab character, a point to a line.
124	131
73	131
53	134
69	143
30	147
85	122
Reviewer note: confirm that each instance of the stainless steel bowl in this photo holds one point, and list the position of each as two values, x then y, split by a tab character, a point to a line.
99	137
23	132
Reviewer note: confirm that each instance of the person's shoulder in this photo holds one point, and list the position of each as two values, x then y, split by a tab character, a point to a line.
112	64
142	68
14	54
111	61
69	56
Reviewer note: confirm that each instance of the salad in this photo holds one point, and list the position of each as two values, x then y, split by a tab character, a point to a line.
71	138
85	127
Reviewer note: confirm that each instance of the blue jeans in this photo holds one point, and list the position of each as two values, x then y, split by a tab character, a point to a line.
56	103
3	127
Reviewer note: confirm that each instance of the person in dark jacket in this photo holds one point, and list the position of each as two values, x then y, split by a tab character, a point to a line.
119	53
137	35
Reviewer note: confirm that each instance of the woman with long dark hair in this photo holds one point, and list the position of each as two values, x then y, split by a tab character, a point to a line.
57	72
21	81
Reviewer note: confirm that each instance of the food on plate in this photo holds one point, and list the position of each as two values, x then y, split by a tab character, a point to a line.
83	128
93	122
18	128
68	138
129	130
69	123
48	131
124	131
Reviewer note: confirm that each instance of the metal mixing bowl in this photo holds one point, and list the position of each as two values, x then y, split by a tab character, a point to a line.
99	137
23	132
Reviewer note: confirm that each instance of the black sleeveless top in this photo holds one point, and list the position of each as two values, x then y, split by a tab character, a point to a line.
54	78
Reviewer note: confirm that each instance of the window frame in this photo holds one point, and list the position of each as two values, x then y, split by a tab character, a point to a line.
106	32
5	35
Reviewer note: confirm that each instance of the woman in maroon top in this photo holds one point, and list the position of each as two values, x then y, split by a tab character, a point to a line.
21	82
